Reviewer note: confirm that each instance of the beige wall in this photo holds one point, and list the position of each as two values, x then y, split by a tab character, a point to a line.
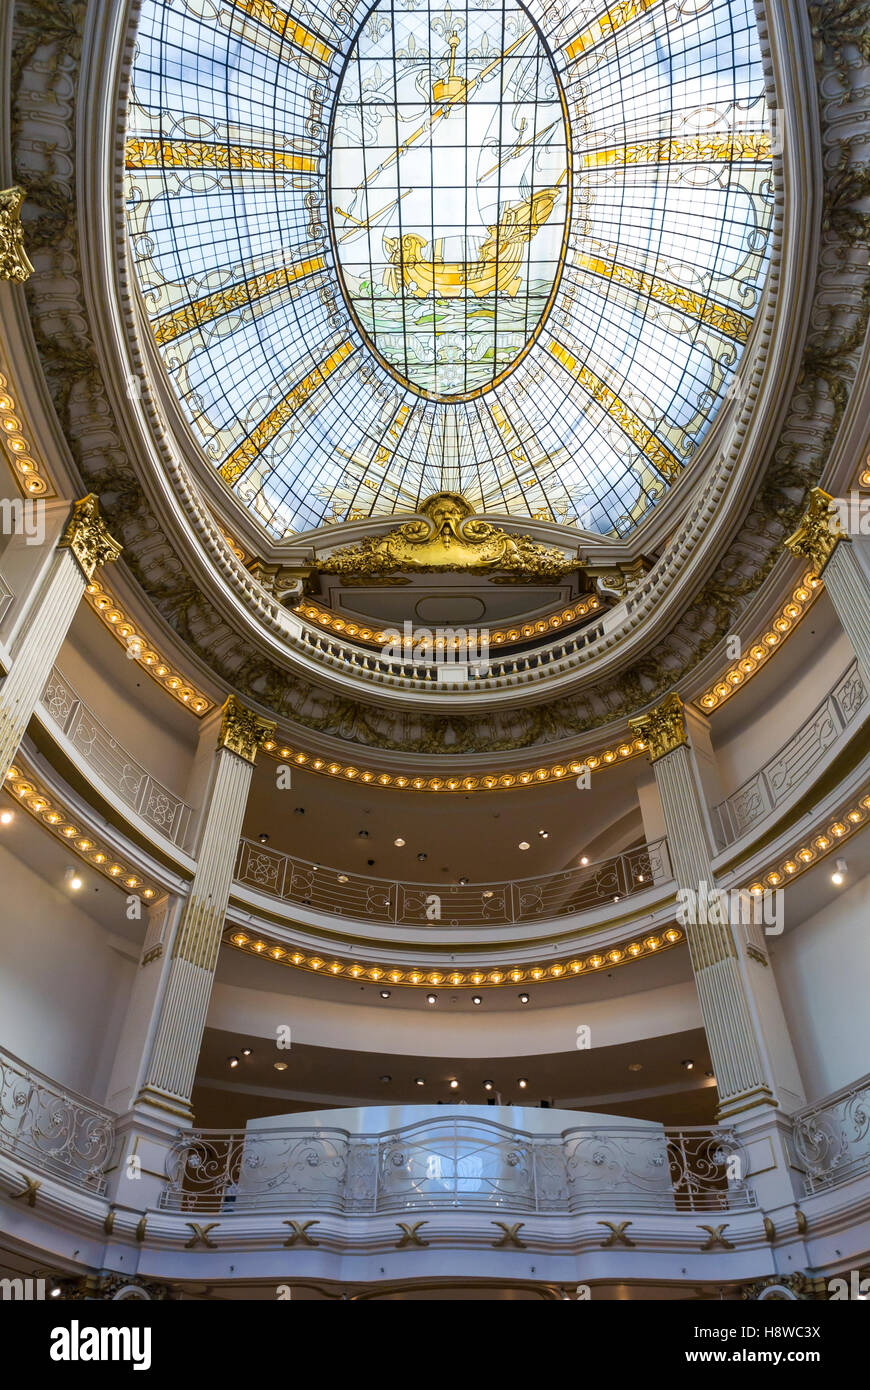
63	985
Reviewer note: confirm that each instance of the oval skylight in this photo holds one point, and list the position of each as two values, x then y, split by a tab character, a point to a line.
539	300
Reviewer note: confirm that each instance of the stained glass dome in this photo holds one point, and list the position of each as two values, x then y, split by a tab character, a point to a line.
509	249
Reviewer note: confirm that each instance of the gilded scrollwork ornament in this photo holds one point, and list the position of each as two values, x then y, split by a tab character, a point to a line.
14	261
87	536
663	728
449	538
243	731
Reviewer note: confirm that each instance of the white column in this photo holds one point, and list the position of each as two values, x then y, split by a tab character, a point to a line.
820	540
744	1064
84	545
177	1036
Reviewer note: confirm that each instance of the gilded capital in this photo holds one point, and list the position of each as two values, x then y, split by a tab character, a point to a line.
243	731
663	728
14	261
87	536
818	534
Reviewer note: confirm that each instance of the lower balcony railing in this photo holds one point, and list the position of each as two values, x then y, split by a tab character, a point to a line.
458	1163
832	1137
51	1128
578	889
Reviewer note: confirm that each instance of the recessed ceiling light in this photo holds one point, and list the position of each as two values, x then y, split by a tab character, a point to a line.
453	1084
398	841
430	998
488	1085
523	998
544	834
246	1052
342	878
838	877
55	1293
385	994
635	1066
386	1079
422	856
363	834
233	1061
72	879
5	817
523	844
418	1081
280	1066
263	837
522	1083
476	999
688	1064
709	1075
616	897
463	881
584	859
299	810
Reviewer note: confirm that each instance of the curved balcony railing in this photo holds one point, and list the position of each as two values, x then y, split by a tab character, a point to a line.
832	1138
111	762
545	660
574	890
792	766
51	1128
469	1163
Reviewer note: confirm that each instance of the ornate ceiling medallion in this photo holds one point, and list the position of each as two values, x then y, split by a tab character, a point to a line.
449	192
451	538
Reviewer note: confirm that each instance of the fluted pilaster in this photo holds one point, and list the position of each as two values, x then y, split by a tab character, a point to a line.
821	540
84	545
178	1035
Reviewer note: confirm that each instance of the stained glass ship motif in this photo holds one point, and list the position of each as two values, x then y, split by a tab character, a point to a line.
494	271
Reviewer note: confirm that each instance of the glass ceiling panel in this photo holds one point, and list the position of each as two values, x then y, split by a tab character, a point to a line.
504	248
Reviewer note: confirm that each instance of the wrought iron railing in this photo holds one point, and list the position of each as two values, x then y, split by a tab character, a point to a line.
327	889
832	1137
52	1128
471	1163
792	766
112	763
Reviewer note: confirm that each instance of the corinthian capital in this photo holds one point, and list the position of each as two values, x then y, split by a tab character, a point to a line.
243	731
663	728
819	533
87	536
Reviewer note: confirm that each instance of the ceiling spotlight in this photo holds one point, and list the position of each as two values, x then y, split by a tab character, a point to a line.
72	879
688	1064
463	881
544	834
635	1066
246	1052
430	998
616	897
584	859
363	834
280	1066
299	810
476	999
418	1081
263	837
488	1085
233	1061
523	844
398	841
422	856
385	994
453	1084
709	1075
522	1083
523	998
55	1293
838	877
5	817
386	1079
